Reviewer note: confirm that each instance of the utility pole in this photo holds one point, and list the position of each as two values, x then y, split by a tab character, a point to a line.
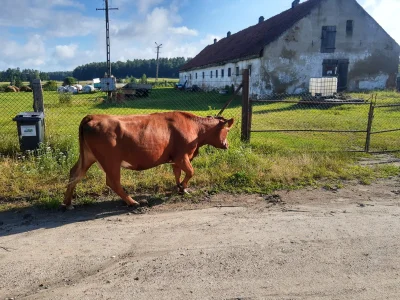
106	9
158	51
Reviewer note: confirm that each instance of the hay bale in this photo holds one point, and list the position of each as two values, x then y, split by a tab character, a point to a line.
10	89
25	89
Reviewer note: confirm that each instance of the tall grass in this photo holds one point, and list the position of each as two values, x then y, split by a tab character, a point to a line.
270	161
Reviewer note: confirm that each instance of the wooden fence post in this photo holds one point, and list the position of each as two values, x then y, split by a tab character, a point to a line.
38	105
245	106
369	126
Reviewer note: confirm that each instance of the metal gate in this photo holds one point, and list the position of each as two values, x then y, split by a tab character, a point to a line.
384	128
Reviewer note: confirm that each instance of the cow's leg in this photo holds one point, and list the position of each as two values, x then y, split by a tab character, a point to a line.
113	180
77	172
177	172
186	167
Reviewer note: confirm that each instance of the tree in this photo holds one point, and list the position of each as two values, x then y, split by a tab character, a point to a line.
143	79
18	81
69	81
50	85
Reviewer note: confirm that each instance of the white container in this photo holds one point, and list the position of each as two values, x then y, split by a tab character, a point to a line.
61	89
88	88
325	86
72	89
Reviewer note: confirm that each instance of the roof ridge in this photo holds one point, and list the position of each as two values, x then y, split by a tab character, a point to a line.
249	41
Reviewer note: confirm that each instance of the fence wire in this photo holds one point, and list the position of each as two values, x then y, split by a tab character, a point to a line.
321	118
64	111
306	119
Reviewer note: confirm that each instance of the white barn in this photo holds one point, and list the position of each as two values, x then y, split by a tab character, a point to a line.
315	38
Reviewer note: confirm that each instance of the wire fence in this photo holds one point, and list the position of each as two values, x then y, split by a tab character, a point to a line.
64	110
322	119
314	118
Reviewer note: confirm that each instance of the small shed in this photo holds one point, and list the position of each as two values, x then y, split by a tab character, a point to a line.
96	83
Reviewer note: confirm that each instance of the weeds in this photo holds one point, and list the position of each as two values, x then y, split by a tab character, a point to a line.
65	98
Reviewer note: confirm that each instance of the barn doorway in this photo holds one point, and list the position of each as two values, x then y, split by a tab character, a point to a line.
336	68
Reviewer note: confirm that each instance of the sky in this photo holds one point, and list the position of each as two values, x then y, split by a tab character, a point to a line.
59	35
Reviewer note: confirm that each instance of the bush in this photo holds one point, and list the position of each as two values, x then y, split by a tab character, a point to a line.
65	98
69	81
3	87
50	85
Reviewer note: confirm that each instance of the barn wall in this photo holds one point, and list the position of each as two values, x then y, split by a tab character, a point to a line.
220	82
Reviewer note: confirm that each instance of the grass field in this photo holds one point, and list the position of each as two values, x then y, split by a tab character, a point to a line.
271	161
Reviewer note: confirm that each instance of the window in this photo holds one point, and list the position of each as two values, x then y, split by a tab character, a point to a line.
190	76
222	72
249	67
349	27
229	72
210	74
196	75
216	73
203	75
328	39
237	71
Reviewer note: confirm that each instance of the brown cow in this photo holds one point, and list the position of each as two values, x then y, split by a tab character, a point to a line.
140	142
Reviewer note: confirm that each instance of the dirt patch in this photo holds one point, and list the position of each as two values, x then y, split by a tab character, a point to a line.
315	243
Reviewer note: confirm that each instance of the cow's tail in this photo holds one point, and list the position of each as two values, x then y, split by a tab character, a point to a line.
83	127
83	148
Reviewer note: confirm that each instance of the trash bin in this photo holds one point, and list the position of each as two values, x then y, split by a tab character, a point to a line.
30	129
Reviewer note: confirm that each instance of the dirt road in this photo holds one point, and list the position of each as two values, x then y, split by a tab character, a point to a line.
306	244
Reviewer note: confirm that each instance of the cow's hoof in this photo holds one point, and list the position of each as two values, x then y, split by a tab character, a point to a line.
185	192
64	207
134	205
143	202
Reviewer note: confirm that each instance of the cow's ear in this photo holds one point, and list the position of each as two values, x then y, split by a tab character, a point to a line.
229	123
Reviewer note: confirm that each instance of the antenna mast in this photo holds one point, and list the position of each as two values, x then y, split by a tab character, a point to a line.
106	9
158	51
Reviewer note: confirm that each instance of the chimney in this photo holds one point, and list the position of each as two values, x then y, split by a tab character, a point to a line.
215	41
260	19
295	3
228	34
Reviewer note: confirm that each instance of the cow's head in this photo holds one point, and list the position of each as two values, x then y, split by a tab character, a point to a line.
219	139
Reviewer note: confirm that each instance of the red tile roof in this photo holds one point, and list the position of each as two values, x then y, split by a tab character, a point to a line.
251	41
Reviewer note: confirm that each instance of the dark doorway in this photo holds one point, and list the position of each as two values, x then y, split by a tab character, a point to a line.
336	68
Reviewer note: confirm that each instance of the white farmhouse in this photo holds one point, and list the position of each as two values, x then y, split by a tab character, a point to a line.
315	38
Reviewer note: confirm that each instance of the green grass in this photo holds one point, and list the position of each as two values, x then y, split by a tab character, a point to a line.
271	161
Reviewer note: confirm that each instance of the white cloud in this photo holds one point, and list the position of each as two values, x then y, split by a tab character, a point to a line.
32	53
183	31
70	3
55	49
38	14
145	5
66	51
